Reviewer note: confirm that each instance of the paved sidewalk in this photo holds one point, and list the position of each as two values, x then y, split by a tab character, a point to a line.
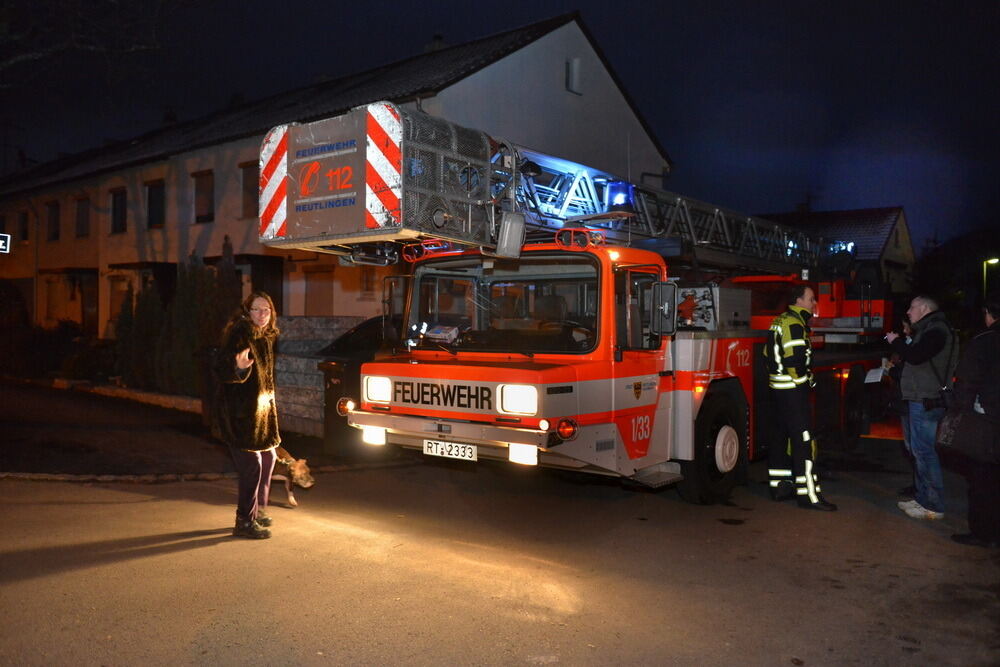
76	432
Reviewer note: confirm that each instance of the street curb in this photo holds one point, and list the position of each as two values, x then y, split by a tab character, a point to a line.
171	401
160	478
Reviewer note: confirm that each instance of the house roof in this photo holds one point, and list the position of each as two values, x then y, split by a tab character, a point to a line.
869	228
419	76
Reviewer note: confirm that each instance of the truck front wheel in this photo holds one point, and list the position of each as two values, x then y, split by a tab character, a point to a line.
720	439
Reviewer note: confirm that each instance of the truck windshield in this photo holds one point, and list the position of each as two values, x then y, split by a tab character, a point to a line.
536	304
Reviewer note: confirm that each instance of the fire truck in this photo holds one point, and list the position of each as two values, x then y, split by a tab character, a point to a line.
557	315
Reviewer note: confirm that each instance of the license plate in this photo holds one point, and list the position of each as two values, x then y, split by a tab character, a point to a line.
451	450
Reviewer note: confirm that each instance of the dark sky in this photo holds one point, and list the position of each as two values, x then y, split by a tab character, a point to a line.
760	104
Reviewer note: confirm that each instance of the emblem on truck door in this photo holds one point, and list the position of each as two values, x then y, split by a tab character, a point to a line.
637	389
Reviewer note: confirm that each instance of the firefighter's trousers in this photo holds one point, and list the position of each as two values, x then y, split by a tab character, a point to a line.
791	458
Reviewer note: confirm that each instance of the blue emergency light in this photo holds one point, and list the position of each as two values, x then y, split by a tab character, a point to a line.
621	196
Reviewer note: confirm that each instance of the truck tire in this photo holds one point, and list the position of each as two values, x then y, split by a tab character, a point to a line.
719	454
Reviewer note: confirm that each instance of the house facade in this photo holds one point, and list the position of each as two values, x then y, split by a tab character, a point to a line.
86	227
882	246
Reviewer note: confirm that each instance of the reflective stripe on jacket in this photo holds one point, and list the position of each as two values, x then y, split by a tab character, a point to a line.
788	349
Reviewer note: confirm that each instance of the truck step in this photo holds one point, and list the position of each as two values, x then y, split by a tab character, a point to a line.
659	475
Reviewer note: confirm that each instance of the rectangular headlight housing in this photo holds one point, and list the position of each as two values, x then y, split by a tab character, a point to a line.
378	389
518	399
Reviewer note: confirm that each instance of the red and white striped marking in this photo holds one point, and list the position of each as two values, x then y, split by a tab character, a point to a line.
273	183
383	182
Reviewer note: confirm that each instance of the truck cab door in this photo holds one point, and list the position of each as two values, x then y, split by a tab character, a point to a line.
639	357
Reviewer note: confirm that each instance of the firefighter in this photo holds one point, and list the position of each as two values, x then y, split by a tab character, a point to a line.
791	470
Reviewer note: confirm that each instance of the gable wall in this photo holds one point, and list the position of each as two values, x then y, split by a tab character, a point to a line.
523	98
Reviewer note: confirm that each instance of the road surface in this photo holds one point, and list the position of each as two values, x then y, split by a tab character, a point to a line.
411	561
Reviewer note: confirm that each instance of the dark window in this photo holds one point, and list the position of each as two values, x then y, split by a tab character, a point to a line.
204	196
156	199
633	292
896	238
3	224
22	226
119	200
53	214
251	176
82	218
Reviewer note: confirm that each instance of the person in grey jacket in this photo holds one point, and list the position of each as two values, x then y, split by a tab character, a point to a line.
930	360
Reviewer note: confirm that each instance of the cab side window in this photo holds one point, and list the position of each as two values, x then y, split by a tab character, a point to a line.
633	294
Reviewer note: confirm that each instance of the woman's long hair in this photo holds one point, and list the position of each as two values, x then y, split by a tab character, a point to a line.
269	330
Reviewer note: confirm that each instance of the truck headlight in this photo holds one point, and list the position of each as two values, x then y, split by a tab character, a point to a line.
518	399
378	389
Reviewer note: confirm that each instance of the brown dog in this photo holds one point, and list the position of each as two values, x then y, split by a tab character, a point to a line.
292	471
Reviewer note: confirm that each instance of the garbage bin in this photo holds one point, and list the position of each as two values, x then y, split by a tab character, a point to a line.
338	438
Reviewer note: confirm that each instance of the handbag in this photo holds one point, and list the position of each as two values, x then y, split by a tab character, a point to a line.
970	434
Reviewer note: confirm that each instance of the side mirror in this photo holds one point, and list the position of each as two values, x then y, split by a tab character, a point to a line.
663	309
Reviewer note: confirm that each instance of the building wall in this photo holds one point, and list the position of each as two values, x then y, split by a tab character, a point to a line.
898	258
523	98
44	259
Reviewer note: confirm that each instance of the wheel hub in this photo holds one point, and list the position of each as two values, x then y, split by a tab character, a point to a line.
727	449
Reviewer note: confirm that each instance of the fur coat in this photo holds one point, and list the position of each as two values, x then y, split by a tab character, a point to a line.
245	413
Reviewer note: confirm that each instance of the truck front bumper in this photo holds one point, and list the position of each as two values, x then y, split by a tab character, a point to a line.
410	431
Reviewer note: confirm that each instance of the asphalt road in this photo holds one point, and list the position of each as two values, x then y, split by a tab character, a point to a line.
410	561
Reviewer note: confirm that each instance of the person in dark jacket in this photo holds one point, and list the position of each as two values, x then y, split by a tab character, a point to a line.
977	388
246	414
930	360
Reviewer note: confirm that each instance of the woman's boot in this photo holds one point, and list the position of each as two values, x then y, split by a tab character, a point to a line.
250	528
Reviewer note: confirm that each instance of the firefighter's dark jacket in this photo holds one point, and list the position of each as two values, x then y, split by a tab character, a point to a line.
245	411
788	350
978	374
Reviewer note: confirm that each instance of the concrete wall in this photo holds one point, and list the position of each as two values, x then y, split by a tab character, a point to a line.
300	387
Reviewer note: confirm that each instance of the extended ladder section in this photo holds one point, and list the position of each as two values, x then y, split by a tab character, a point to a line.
365	184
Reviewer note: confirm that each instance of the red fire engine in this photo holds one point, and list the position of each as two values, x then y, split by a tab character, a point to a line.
555	314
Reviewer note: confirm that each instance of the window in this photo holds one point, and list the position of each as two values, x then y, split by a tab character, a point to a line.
250	178
22	226
895	240
633	295
320	291
368	279
155	204
3	224
82	218
204	196
119	199
53	215
541	303
573	76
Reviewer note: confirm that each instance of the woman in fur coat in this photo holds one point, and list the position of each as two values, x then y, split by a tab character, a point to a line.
245	411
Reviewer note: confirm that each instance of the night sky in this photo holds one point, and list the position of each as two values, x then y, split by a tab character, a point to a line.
761	105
